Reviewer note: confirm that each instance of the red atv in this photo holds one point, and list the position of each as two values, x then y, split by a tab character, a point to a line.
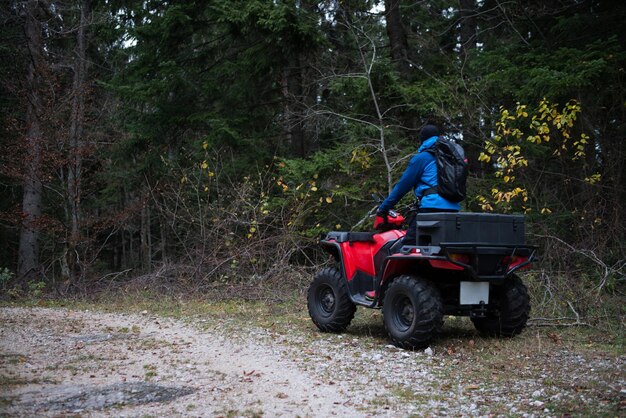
463	264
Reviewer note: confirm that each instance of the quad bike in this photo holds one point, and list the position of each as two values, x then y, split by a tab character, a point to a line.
463	265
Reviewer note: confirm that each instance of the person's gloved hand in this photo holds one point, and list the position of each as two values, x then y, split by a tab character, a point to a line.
381	219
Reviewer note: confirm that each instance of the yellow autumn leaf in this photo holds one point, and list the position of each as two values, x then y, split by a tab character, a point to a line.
484	157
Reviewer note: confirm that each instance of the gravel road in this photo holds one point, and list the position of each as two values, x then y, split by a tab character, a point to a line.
58	362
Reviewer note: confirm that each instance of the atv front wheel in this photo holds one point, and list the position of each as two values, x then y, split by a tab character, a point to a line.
412	312
512	309
329	303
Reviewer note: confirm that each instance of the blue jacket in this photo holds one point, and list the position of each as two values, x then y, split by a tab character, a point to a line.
421	174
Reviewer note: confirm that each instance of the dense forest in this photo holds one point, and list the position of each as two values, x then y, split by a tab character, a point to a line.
213	141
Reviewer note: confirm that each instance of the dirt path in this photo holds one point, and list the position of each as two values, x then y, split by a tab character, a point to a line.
58	362
82	362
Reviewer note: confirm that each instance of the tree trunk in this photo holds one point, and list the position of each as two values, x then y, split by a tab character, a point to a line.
124	255
28	253
163	240
397	37
292	96
399	47
76	141
472	138
467	27
146	244
131	260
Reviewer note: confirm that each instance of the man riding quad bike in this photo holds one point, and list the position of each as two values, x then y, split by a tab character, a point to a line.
446	263
461	264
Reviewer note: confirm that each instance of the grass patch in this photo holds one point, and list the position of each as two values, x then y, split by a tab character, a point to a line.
12	359
150	372
7	381
290	316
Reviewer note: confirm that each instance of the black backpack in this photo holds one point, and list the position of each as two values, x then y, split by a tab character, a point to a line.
451	170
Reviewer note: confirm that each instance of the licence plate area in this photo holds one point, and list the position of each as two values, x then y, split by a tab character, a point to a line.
473	293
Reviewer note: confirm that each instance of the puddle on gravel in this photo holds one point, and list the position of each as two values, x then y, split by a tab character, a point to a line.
117	395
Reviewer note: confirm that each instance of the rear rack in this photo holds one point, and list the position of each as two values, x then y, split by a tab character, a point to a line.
476	251
481	249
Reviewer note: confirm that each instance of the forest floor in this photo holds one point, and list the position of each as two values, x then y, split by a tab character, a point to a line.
252	359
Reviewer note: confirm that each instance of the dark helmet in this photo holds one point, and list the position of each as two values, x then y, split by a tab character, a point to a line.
427	132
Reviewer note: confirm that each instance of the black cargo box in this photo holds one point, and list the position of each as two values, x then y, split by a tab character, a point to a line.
467	227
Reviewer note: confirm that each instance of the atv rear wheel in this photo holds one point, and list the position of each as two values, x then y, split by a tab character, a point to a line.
412	312
513	307
329	303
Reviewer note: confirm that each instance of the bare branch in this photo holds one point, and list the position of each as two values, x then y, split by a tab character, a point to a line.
607	271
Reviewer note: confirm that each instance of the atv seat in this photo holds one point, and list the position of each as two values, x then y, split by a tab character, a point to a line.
350	236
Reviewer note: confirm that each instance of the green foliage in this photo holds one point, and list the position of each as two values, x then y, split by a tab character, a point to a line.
554	73
229	134
36	288
6	276
332	187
